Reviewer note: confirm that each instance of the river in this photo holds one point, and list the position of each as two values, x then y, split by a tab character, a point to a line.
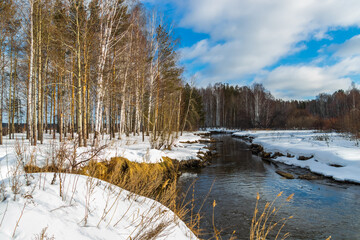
321	208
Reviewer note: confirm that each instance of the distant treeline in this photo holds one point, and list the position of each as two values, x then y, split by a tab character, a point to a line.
255	107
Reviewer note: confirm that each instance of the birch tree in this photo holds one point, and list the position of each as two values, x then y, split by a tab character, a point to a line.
30	107
109	22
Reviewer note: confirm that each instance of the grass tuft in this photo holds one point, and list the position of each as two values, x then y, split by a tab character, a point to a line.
264	222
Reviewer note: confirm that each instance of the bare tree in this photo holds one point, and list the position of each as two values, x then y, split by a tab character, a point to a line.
110	18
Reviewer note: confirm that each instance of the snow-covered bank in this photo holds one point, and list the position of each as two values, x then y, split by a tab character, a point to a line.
136	150
331	154
131	148
220	130
113	213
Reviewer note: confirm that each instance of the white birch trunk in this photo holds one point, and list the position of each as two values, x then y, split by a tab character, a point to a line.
107	113
153	68
257	111
122	109
217	95
137	105
107	17
31	75
123	94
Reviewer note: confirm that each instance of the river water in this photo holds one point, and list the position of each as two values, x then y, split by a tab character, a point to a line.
321	208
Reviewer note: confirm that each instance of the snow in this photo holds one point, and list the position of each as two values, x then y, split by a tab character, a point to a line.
114	213
182	150
221	130
64	216
132	148
327	149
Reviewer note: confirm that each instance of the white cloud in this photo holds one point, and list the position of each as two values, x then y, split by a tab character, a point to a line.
249	35
198	49
298	82
303	81
321	34
350	48
347	66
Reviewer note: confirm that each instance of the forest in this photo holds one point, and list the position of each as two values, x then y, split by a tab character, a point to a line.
83	69
254	107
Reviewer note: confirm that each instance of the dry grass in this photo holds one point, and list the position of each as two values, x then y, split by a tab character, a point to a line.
191	217
266	221
217	232
43	235
156	181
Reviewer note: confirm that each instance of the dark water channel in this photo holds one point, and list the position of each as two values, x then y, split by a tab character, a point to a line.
320	208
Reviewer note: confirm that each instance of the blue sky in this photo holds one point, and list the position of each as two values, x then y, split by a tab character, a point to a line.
296	49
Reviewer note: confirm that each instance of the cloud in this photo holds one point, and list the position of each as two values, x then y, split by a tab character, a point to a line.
198	49
306	81
299	82
350	48
248	36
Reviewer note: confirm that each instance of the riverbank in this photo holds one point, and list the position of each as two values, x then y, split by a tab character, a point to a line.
71	206
186	147
321	208
331	154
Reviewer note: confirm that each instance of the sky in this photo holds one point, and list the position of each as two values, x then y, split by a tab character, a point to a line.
295	48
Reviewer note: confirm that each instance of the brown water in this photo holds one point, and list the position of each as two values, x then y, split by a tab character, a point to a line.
320	208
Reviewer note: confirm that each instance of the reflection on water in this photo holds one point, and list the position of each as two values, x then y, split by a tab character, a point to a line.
320	208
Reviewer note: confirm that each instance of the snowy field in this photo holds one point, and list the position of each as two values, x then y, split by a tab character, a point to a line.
332	154
113	213
88	209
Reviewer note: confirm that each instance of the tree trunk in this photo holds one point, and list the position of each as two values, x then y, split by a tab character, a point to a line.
31	75
79	87
40	91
